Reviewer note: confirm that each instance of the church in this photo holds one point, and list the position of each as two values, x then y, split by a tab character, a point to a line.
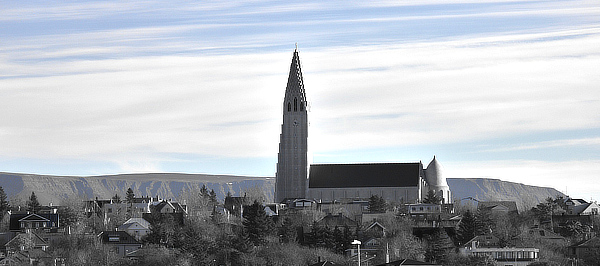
394	182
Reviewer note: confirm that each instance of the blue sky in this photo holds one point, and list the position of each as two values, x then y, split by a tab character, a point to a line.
498	89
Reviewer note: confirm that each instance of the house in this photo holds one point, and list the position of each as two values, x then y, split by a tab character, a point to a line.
541	233
30	257
581	207
499	207
375	229
136	227
589	248
406	262
489	245
25	241
338	220
120	241
20	221
169	207
235	205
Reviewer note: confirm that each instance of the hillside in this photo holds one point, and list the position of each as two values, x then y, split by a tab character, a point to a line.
484	189
170	185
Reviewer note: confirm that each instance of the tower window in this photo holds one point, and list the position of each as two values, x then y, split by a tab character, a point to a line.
295	104
289	107
301	106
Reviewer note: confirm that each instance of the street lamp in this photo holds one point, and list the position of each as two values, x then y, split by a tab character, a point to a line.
357	243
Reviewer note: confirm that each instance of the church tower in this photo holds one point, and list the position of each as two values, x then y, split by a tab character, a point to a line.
291	177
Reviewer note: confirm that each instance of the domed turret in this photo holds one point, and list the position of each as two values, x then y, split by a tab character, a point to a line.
436	180
434	174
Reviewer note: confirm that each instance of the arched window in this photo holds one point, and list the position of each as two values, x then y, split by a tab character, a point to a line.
301	106
289	107
295	104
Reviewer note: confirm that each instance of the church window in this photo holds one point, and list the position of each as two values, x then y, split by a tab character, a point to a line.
289	107
301	106
295	104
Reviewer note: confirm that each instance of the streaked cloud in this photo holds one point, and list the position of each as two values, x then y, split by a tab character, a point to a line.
151	86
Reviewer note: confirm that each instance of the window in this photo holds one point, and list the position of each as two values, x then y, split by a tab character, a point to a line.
113	238
295	104
289	107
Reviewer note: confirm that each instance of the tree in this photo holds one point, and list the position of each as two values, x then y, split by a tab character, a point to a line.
432	198
4	205
212	198
257	223
439	246
116	198
467	228
33	205
484	222
130	196
288	231
377	204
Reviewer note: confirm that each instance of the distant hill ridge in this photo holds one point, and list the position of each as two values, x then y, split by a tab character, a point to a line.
54	189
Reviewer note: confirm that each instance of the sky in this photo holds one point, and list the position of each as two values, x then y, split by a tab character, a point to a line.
493	88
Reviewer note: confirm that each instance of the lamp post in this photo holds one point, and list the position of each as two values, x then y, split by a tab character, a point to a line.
357	243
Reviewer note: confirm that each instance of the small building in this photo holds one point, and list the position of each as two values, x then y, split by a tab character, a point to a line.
21	221
25	241
121	242
136	227
581	207
489	245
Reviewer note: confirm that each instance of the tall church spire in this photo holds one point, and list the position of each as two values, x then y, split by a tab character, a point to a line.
291	177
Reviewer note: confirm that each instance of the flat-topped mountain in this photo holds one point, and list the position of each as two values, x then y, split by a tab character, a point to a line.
53	189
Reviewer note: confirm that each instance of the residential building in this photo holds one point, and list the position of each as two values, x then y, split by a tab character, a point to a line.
136	227
121	242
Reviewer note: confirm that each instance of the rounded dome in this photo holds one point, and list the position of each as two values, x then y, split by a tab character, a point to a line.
434	174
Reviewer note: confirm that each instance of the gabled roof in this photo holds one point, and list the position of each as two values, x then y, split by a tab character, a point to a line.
375	224
365	175
33	218
37	240
338	220
140	221
511	206
15	223
175	205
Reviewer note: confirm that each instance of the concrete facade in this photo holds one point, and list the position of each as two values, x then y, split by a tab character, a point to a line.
292	172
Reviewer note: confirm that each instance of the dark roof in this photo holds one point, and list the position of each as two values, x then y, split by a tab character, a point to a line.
510	205
338	220
15	224
123	237
365	175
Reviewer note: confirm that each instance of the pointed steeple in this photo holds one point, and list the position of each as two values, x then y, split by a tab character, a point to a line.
295	84
291	177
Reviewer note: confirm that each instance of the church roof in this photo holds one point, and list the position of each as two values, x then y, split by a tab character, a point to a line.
365	175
